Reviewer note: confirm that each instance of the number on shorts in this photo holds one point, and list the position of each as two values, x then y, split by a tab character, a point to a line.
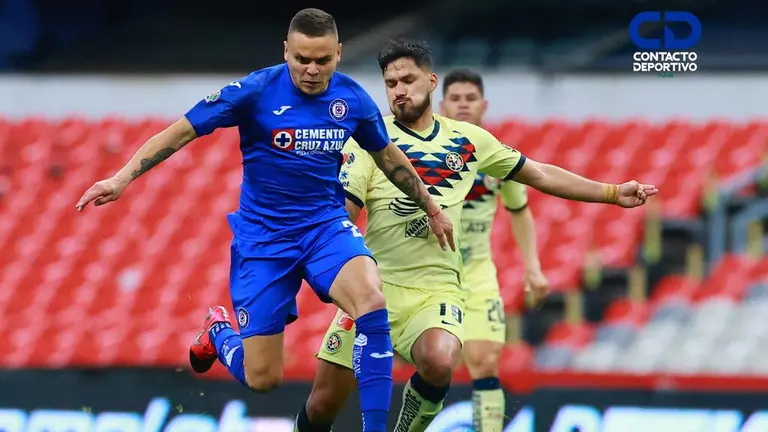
352	227
456	312
495	311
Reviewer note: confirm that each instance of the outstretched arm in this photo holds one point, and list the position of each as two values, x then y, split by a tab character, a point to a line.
157	149
556	181
218	110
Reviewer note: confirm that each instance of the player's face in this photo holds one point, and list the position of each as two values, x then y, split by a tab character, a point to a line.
312	60
409	89
463	101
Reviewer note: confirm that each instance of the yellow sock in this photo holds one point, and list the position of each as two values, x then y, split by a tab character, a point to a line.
488	410
416	413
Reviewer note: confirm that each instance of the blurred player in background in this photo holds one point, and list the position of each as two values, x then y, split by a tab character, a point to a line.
423	285
294	119
485	324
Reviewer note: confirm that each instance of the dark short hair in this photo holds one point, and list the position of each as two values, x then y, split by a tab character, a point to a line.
396	49
463	76
313	23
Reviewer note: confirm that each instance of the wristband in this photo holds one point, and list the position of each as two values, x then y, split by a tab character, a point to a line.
611	193
434	214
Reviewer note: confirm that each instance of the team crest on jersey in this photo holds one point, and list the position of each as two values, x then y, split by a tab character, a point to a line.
334	343
454	162
213	97
283	139
338	109
439	169
242	317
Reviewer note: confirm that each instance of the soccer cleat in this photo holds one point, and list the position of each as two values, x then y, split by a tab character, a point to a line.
202	352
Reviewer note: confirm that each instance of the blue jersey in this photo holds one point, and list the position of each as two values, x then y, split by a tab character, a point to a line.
291	145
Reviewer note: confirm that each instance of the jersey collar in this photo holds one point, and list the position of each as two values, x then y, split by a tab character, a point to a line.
430	137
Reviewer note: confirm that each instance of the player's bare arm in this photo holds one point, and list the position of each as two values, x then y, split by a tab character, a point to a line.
398	169
524	231
157	149
353	210
562	183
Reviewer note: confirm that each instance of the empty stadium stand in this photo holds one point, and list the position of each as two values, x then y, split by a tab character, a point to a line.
711	327
127	283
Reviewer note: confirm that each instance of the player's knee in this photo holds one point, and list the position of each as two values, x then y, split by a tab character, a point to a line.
436	368
369	298
263	379
373	300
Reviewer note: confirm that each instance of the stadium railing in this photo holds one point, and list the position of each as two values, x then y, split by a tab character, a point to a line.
718	230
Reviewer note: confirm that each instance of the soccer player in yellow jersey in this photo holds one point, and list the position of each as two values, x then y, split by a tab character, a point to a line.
422	282
484	323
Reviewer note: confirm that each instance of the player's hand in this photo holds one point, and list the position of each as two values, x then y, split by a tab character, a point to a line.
633	194
443	229
102	192
536	284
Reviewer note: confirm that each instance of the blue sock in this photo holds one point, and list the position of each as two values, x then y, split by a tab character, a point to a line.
490	383
229	346
372	360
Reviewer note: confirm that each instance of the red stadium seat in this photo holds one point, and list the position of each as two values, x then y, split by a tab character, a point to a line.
673	288
154	261
625	310
730	278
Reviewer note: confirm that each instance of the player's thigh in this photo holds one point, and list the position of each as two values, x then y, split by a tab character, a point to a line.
339	266
484	318
485	327
263	292
417	314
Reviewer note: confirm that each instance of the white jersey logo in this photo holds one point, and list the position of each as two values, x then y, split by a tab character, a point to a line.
282	109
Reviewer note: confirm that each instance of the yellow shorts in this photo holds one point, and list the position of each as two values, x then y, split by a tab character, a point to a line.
411	312
484	314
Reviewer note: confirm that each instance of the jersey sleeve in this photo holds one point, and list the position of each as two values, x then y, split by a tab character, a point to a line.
371	132
220	109
496	158
514	195
356	173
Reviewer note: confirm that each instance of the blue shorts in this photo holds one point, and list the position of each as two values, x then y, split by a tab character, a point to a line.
265	277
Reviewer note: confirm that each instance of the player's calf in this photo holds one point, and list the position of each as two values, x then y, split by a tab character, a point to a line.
332	386
488	404
256	362
435	354
263	362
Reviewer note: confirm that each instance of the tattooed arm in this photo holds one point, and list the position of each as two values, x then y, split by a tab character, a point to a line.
157	149
398	169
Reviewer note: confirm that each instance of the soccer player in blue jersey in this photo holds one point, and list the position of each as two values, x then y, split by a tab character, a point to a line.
291	224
